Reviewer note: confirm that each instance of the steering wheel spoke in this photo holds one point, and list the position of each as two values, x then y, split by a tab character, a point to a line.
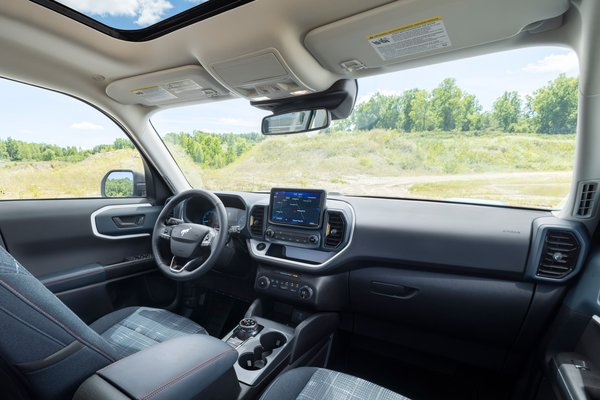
209	239
165	232
174	267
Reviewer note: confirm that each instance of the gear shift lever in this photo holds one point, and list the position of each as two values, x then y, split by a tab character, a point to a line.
247	327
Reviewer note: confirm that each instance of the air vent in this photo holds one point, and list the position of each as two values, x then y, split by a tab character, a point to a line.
257	221
559	255
586	199
336	227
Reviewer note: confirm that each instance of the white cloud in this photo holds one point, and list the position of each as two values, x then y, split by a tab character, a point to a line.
146	12
106	7
554	63
237	122
87	126
151	11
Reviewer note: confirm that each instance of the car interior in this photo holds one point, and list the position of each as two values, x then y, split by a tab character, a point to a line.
175	291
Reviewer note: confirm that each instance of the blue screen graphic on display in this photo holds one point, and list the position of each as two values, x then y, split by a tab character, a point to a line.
296	208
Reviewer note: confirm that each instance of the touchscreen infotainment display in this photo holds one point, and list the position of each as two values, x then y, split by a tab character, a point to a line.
298	207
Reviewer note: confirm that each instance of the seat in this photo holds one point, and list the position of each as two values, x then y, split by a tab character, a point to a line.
132	329
52	351
308	383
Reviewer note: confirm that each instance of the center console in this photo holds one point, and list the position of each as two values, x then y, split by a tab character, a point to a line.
300	228
262	345
265	347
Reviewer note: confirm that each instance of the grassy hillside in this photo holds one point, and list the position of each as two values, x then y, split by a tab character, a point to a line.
441	165
519	169
51	179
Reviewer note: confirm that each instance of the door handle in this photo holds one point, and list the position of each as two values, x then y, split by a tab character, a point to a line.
393	290
129	221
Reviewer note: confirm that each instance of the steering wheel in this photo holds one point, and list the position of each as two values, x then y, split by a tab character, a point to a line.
195	248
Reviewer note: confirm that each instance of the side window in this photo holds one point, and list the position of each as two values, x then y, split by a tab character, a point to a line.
53	146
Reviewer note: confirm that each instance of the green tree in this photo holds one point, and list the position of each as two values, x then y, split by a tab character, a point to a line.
405	122
3	152
421	116
122	143
12	148
507	110
48	155
446	105
380	111
122	187
554	106
470	119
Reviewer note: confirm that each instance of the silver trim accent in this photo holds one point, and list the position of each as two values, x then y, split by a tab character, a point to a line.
106	208
262	255
175	270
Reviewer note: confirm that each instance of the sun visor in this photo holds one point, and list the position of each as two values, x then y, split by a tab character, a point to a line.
407	30
178	85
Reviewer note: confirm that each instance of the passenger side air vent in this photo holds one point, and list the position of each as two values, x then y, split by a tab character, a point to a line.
559	255
587	195
335	229
257	221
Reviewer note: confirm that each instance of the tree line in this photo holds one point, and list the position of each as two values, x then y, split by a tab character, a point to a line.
214	150
18	150
551	109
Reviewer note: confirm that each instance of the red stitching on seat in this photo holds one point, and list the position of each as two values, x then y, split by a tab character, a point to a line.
184	375
51	318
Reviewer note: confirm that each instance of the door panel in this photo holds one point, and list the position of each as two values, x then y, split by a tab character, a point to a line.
86	265
50	236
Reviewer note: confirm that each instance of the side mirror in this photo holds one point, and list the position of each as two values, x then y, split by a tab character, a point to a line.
123	183
296	122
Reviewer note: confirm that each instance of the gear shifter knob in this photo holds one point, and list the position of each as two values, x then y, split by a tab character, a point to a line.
246	328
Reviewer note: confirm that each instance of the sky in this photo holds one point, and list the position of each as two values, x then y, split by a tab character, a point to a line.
130	14
36	115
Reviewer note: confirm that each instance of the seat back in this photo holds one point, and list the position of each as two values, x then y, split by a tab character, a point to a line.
41	339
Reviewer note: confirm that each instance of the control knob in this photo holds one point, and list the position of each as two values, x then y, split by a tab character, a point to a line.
305	292
269	233
247	327
263	282
314	239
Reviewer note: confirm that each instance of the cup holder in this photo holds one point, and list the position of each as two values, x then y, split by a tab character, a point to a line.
272	340
254	361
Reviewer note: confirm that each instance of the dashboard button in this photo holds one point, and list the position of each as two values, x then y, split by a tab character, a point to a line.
263	282
261	246
305	293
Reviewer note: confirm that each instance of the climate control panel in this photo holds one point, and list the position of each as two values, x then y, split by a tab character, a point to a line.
285	284
296	237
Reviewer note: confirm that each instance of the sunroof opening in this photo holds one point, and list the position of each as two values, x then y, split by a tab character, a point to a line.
130	14
139	20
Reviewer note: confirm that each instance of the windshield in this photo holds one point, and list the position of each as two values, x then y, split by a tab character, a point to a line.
496	129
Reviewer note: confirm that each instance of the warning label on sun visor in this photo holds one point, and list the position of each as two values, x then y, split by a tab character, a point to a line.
418	37
186	85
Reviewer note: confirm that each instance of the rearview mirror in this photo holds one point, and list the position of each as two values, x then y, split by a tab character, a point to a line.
296	122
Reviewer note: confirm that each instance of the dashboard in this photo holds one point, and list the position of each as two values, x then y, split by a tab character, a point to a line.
442	271
310	231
